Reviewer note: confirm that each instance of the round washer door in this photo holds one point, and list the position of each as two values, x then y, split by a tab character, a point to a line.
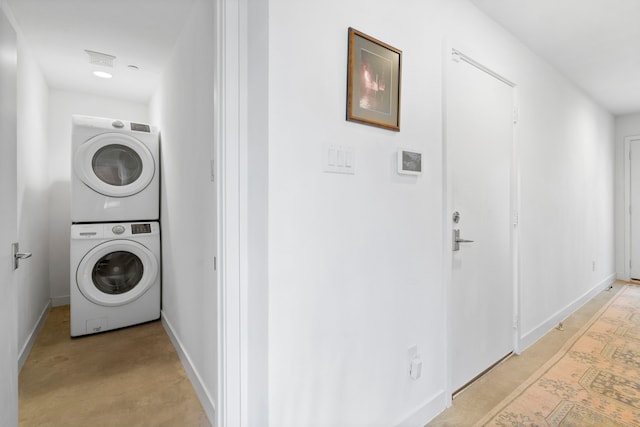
116	272
114	164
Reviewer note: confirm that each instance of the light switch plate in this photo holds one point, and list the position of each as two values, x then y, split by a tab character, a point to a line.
339	158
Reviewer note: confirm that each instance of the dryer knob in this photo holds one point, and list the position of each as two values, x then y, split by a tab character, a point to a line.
118	229
117	124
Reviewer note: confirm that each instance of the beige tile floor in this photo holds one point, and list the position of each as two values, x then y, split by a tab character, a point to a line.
479	398
129	377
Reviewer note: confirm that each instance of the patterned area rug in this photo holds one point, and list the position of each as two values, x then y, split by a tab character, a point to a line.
594	380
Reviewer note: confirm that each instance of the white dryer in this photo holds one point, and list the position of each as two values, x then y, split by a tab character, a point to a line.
115	170
115	276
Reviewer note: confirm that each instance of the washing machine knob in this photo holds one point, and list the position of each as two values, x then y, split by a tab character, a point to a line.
117	124
118	229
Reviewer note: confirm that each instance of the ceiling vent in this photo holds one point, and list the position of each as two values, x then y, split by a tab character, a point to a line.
99	58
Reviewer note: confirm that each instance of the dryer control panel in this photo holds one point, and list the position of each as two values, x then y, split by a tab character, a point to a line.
140	127
140	228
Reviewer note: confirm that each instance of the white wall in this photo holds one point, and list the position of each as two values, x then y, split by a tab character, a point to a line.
355	262
183	109
32	278
627	125
62	105
567	199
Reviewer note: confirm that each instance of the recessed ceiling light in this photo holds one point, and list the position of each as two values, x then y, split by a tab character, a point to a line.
102	74
133	67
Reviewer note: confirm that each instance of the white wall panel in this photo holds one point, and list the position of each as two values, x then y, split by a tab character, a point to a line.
183	109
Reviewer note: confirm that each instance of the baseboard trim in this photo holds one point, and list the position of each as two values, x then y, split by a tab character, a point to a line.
426	412
60	301
28	345
541	330
206	400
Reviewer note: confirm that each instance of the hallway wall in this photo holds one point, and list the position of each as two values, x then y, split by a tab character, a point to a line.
356	261
183	109
62	105
32	278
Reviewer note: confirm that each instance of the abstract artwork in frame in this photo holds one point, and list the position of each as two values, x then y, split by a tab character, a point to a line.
373	82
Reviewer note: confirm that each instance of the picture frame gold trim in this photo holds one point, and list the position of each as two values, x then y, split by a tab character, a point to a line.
373	81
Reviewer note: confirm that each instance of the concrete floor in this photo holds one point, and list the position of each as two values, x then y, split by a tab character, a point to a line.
480	397
129	377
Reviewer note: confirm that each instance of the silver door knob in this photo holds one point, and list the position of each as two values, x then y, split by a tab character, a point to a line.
17	255
457	240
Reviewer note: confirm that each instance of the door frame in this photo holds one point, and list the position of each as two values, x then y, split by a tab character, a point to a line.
231	400
456	52
627	205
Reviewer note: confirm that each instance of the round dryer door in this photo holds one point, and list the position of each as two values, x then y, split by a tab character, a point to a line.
114	164
116	272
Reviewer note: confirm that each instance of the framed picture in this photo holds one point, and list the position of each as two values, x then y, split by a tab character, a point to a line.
409	162
373	82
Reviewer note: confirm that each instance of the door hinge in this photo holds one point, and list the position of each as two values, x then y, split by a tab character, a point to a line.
215	264
629	264
516	323
516	219
515	115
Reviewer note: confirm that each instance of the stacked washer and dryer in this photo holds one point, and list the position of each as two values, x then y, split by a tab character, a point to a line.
115	233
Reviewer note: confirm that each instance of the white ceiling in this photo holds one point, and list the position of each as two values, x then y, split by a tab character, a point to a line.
595	43
137	32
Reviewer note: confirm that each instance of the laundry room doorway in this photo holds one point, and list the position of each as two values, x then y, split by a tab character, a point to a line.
8	225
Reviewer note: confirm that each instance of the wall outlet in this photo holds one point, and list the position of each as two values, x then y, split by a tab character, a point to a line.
412	353
415	363
415	368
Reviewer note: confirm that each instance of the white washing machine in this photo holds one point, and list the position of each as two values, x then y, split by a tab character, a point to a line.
115	276
115	170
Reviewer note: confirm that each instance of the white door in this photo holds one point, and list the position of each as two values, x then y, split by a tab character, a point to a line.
8	227
634	149
479	144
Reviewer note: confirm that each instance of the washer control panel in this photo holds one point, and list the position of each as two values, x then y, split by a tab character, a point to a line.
108	231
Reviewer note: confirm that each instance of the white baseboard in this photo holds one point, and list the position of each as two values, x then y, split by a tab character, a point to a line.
60	301
541	330
426	412
206	400
26	348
